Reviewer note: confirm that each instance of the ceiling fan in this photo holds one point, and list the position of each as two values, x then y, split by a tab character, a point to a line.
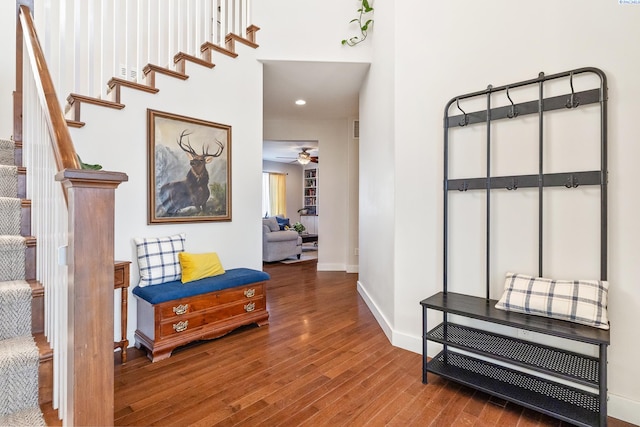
304	157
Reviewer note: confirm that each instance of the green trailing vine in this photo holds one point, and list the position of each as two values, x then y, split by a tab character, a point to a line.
365	8
84	165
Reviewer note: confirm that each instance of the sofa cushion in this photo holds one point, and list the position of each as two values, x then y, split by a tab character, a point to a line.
282	222
579	301
177	290
199	266
282	236
272	223
158	259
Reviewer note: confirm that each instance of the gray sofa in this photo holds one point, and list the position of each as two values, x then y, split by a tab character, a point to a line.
279	244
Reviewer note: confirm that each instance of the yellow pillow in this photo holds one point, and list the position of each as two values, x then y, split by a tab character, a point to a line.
199	266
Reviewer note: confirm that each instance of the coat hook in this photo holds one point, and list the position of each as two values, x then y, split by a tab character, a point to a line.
464	186
572	182
513	111
573	100
466	118
514	184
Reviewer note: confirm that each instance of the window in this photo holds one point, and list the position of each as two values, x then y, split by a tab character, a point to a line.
274	194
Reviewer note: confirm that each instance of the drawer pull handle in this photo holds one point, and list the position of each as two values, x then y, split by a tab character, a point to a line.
249	293
181	309
250	307
181	326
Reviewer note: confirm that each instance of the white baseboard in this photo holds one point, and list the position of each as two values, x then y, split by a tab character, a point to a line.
331	267
624	409
618	407
407	342
337	267
382	321
352	268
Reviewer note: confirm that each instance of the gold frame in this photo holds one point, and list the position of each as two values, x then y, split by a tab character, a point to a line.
176	170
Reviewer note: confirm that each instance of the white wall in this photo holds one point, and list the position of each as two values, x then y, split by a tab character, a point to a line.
308	30
378	226
333	149
353	200
231	94
293	173
463	47
7	73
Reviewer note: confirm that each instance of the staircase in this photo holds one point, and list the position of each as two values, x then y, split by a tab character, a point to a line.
79	314
21	304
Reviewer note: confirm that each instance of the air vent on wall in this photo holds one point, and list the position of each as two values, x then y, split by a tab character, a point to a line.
132	73
356	129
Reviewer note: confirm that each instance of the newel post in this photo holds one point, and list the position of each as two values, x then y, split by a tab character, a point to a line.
91	203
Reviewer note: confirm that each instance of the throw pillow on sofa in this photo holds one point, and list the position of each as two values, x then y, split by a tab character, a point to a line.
272	223
283	223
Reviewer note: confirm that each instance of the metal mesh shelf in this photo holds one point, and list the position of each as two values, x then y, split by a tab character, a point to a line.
564	364
560	401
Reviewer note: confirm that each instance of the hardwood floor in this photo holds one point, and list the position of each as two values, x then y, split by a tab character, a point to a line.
322	360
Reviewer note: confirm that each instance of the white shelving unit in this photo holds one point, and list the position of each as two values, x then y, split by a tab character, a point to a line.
310	190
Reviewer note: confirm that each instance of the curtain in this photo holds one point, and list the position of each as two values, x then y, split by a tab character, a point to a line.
274	193
265	194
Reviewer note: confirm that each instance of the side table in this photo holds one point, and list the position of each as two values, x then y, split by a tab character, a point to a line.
121	281
308	238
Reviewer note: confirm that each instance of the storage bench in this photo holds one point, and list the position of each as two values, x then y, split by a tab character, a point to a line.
174	314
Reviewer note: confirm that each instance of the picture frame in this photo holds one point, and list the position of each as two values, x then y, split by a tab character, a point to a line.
189	169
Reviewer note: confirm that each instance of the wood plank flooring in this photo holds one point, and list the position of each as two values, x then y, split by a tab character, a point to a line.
322	361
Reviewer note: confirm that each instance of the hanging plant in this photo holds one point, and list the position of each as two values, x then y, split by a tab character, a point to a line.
364	9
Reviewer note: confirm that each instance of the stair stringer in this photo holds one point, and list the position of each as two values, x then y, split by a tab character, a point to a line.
230	94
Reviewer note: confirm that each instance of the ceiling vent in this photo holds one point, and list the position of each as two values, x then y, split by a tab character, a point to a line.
356	129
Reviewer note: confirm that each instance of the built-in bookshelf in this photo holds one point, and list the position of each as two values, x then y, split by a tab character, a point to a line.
310	188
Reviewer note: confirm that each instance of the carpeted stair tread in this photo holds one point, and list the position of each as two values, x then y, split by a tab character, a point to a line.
15	309
10	215
23	418
19	359
7	150
12	258
8	181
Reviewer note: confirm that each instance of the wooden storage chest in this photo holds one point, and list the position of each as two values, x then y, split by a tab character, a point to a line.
164	326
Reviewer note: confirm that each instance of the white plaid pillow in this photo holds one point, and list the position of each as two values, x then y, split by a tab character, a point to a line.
579	301
158	259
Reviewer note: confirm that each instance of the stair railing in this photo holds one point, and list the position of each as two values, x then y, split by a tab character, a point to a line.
87	42
73	224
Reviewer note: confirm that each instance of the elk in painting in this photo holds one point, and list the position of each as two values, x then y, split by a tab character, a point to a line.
194	189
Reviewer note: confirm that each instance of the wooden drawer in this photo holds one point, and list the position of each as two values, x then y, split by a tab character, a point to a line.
165	326
189	322
186	306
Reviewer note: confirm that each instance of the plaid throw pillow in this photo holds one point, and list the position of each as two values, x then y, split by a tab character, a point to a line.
158	259
579	301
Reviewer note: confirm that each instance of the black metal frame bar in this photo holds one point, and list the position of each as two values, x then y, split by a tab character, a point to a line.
541	180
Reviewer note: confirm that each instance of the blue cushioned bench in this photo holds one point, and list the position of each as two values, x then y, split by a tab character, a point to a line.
174	314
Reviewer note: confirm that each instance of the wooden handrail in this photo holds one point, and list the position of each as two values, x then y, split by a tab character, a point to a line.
86	345
63	148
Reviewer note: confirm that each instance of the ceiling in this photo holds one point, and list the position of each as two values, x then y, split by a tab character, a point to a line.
331	90
286	151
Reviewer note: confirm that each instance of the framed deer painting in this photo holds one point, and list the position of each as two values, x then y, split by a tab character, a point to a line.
189	169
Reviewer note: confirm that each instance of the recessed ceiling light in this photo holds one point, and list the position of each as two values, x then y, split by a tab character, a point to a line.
301	102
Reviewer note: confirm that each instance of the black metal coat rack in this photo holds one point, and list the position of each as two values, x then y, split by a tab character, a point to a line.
582	407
